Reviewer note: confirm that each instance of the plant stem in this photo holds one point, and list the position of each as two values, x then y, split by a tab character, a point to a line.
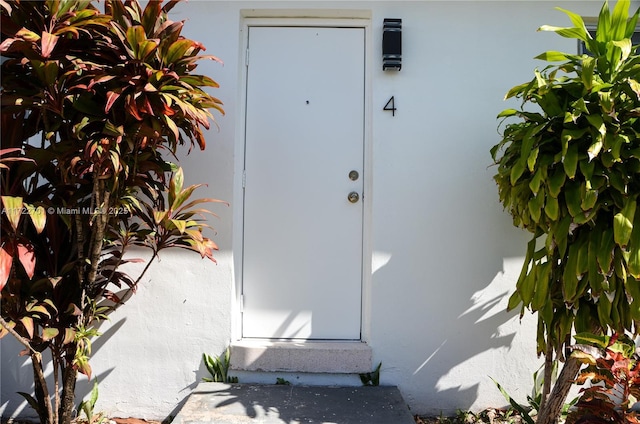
548	375
20	339
553	407
45	409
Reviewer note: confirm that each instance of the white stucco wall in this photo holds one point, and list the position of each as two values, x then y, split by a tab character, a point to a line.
444	255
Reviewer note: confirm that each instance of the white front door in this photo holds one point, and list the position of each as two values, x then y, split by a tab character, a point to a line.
302	262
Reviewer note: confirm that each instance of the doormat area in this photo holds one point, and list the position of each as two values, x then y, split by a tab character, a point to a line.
275	404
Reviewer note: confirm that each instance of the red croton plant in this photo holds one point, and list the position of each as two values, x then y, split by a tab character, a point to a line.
94	104
613	375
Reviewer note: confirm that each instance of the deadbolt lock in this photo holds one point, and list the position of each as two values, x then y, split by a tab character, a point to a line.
353	175
353	197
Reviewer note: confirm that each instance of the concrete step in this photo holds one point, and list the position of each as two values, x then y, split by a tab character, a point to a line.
289	404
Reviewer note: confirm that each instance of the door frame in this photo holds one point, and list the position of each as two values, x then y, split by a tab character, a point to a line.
301	18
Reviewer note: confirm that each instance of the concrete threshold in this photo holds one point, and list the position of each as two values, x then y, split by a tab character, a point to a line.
275	404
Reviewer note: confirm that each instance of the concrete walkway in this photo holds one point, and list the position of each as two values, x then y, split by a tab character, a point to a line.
276	404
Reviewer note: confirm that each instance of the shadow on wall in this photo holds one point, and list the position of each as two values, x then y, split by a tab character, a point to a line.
16	373
445	330
454	338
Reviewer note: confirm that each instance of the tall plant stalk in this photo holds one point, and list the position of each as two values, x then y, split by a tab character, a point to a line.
109	96
568	172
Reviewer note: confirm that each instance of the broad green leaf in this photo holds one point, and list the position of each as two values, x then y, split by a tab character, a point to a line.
507	112
49	333
535	182
146	48
605	250
573	197
587	169
531	160
570	161
619	19
177	50
38	217
183	196
594	149
623	222
597	122
514	301
631	24
528	286
591	339
172	126
582	265
13	209
536	204
556	182
589	199
514	91
542	287
570	275
616	145
576	19
552	208
135	37
180	225
566	32
28	35
594	243
205	81
540	79
159	216
580	105
552	56
633	248
625	47
175	185
604	311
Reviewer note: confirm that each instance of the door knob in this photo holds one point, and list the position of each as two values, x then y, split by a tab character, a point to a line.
353	175
353	197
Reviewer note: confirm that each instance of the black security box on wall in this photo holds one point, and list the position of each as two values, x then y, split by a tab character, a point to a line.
392	44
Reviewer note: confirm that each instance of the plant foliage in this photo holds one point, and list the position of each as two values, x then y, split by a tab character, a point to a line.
613	373
94	106
569	172
218	368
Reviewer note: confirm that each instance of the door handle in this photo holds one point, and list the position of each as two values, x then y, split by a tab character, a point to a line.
353	197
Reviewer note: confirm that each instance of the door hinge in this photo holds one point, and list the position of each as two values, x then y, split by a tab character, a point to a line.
241	303
244	178
246	57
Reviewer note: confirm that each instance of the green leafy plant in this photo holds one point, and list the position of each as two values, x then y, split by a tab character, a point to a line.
568	166
613	371
371	378
87	407
95	104
282	382
218	368
534	400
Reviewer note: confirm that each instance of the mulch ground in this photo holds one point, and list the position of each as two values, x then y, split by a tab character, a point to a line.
488	416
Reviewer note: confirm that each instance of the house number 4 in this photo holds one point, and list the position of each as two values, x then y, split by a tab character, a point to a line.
391	106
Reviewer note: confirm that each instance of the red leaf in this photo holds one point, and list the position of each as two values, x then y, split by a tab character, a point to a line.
49	42
6	259
112	96
27	258
133	109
